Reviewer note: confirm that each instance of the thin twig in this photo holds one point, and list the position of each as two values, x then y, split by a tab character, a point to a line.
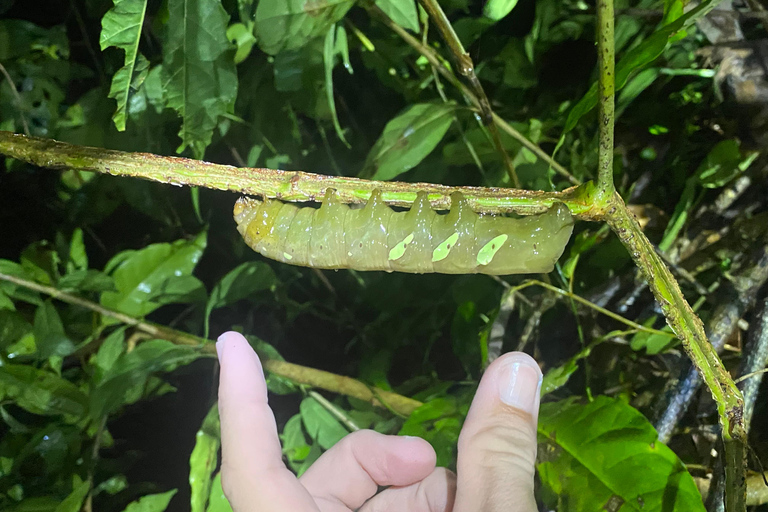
605	108
442	67
299	374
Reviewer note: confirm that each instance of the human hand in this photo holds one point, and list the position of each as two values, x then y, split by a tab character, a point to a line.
495	465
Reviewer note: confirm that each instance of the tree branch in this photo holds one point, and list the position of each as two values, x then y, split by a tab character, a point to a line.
285	185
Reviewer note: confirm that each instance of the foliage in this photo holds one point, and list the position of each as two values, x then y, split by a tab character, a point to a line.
325	86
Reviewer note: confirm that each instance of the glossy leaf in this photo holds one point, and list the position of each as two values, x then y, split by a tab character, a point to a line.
199	75
290	24
408	138
141	275
320	424
109	351
151	502
89	280
50	337
402	12
605	454
217	502
75	499
121	27
204	459
41	392
498	9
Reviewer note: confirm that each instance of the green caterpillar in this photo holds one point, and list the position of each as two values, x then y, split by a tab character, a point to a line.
419	240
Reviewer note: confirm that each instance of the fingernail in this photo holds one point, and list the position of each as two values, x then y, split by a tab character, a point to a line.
519	384
220	345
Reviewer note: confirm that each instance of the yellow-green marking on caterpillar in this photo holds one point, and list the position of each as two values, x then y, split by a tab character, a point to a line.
489	250
399	249
444	249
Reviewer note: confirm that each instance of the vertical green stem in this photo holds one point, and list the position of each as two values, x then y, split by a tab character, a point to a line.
688	327
606	91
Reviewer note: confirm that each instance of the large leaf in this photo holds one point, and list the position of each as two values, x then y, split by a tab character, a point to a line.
289	24
605	456
50	338
151	502
127	377
41	392
121	28
203	460
140	276
497	9
407	139
639	56
402	12
198	69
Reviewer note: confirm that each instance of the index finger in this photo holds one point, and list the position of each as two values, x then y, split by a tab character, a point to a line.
253	475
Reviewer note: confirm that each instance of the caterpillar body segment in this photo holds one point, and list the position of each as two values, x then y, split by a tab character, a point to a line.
419	240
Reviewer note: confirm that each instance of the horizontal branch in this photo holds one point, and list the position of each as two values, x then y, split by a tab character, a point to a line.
285	185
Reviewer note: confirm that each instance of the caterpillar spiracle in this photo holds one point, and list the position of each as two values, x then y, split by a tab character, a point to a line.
419	240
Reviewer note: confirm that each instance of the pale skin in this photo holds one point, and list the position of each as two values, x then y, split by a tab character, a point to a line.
496	450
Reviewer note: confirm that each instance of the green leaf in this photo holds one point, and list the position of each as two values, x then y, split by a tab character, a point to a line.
77	254
320	424
290	24
723	163
605	454
497	9
126	380
293	442
204	459
653	343
75	499
639	56
15	291
89	280
408	138
329	61
240	283
198	69
217	502
109	351
41	392
50	338
12	327
151	502
141	276
402	12
121	28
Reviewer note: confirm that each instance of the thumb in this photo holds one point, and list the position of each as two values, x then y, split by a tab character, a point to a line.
497	445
